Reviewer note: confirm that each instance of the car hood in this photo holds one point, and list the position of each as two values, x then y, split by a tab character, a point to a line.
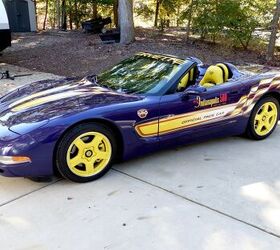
49	99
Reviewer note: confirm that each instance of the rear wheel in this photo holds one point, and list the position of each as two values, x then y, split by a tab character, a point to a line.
86	152
264	118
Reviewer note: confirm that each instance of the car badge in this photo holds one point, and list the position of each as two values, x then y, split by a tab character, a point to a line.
142	113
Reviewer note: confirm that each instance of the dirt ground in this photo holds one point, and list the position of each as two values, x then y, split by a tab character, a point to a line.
77	54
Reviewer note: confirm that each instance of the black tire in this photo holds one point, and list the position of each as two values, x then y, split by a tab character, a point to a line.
65	143
251	132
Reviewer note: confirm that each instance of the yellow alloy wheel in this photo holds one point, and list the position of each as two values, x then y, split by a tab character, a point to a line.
89	154
265	118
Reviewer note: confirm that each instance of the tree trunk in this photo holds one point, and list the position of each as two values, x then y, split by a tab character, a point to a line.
57	10
46	14
36	13
63	15
70	15
177	15
76	19
273	36
158	2
126	21
116	13
94	9
190	19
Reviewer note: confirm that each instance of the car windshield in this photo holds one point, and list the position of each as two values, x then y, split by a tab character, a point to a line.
140	74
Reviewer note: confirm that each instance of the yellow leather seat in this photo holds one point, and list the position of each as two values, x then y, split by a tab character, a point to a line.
213	76
225	70
187	78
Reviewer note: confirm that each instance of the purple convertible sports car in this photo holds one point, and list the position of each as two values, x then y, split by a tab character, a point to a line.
79	127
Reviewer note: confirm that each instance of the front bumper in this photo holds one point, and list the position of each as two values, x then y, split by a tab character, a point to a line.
17	170
11	144
14	145
8	163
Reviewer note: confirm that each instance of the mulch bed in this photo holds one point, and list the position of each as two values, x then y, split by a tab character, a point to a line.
76	54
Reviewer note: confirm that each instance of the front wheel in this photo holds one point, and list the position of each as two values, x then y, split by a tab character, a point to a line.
264	118
85	153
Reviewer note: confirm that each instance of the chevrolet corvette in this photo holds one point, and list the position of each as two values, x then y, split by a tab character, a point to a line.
78	128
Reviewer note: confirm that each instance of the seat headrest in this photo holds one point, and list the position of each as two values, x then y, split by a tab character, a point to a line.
184	82
213	76
188	79
225	70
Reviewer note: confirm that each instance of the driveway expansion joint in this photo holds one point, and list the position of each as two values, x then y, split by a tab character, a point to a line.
31	192
201	204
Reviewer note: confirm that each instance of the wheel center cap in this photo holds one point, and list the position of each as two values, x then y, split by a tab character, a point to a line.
264	118
89	153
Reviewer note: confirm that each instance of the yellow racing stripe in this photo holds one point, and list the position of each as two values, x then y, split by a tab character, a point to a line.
43	100
179	122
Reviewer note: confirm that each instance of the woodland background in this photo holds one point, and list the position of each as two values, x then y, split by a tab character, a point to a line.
238	23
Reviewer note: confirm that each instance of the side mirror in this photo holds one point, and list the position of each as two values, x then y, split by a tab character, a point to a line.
193	92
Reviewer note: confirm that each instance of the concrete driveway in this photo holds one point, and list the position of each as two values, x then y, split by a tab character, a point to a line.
221	194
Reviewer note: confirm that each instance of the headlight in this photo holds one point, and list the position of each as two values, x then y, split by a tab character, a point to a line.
10	160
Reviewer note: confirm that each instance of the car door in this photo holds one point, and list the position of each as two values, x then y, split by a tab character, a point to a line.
199	112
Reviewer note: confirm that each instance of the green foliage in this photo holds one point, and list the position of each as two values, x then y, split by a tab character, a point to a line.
206	21
168	7
235	19
76	11
144	10
232	20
